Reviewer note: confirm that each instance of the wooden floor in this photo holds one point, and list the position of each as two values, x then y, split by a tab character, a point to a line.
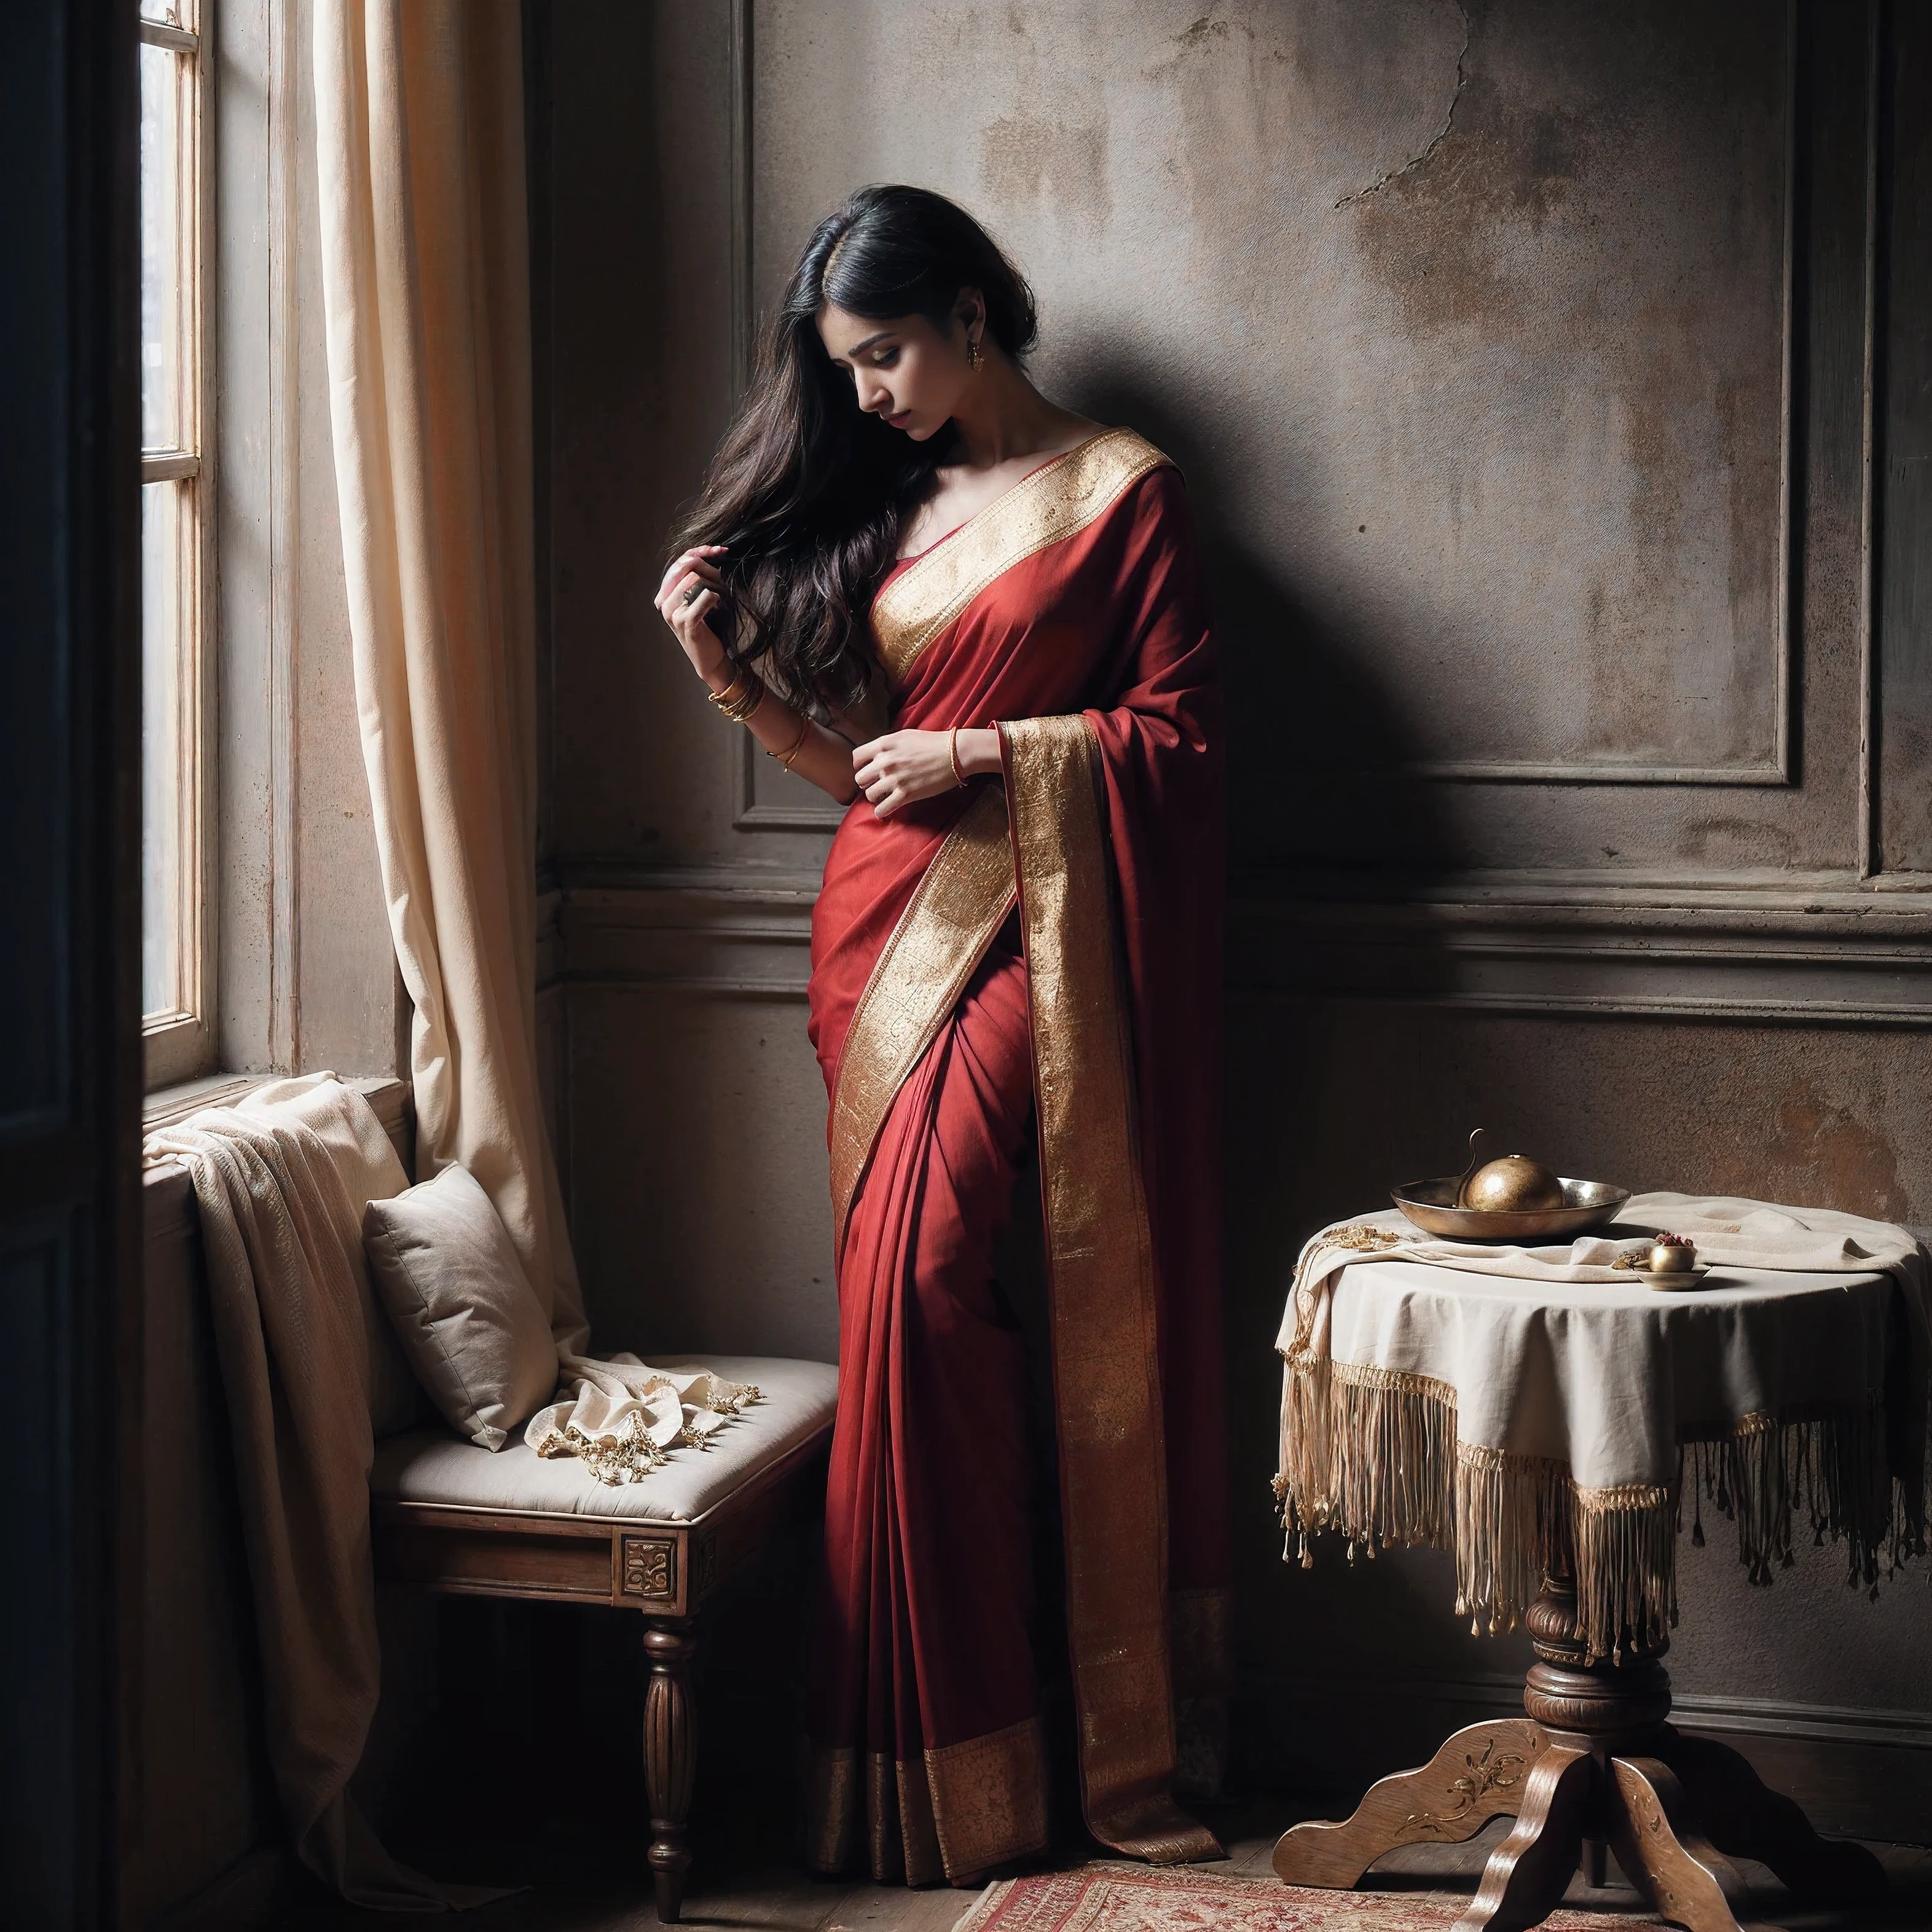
535	1783
747	1884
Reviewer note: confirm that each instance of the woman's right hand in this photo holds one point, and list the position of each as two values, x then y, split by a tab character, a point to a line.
690	590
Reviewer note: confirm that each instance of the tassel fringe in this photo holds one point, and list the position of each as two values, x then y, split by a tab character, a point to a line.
633	1452
1372	1454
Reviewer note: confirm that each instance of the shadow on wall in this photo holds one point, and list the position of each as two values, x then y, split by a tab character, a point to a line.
1319	777
1323	803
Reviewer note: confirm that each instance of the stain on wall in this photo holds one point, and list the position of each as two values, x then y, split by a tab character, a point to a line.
1025	159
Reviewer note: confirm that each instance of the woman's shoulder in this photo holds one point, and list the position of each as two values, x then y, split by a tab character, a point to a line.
1121	475
1149	483
1123	450
1148	513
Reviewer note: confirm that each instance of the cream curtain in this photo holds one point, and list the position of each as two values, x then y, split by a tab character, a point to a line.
419	133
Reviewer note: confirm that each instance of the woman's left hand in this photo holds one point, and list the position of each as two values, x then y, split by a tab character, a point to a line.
904	765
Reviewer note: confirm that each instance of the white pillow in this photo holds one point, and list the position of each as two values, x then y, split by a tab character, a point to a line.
471	1325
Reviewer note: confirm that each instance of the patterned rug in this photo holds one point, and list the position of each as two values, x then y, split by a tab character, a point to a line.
1101	1897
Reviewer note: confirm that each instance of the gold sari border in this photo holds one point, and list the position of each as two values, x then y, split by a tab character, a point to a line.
832	1809
898	1805
916	980
1113	1459
950	1813
988	1797
1057	501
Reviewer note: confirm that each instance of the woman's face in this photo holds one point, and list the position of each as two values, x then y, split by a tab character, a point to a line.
908	371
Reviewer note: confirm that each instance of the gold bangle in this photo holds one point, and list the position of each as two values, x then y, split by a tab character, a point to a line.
952	758
740	697
797	744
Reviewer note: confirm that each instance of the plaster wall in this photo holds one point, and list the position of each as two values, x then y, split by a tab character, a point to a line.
1517	362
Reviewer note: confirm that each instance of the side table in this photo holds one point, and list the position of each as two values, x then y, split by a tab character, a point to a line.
1535	1428
1593	1765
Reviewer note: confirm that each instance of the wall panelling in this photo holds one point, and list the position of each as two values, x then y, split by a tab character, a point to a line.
1551	384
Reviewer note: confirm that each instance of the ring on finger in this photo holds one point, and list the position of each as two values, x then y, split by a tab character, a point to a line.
696	591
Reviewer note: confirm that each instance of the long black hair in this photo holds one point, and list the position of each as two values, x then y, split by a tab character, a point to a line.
808	491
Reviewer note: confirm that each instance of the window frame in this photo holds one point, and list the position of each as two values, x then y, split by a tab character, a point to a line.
179	1042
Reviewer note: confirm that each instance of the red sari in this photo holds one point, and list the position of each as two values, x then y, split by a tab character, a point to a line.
1036	954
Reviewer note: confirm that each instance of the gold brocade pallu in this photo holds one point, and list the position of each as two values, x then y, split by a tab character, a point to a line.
990	1791
1006	1002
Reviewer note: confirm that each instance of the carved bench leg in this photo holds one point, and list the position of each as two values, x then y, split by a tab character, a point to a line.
671	1760
1478	1775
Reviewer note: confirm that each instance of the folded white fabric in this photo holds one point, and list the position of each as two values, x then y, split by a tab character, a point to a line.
469	1322
358	1151
622	1417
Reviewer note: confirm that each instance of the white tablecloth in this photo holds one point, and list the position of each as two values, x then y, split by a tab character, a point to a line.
1528	1423
1609	1381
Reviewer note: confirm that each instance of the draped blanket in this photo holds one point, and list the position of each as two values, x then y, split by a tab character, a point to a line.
1539	1409
1035	958
281	1181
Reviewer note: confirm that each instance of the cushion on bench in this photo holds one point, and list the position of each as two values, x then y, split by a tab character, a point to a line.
432	1466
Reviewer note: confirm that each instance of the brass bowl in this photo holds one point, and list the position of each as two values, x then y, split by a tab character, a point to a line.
1431	1205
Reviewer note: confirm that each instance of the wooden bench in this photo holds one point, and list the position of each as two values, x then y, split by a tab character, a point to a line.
450	1516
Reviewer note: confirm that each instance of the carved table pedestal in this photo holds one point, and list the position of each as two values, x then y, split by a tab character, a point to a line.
1594	1764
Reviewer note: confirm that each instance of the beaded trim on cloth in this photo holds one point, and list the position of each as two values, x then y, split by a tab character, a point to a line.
1372	1453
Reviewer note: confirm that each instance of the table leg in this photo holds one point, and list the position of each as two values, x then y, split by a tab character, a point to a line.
1685	1878
1528	1872
1594	1762
1478	1775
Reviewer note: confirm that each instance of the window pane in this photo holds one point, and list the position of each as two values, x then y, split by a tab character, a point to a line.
160	248
164	519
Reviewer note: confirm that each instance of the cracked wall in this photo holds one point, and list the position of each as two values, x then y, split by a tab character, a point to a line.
1469	323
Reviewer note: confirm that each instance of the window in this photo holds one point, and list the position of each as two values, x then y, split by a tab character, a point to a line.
176	554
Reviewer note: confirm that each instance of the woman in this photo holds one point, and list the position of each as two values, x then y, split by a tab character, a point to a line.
977	618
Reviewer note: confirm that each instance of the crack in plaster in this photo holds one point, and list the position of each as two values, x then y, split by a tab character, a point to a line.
1408	167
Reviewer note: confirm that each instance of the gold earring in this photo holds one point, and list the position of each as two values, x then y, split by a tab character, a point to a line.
972	353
